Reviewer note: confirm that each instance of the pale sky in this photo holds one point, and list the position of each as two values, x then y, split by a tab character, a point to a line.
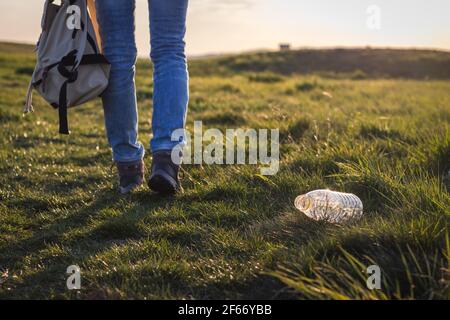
225	26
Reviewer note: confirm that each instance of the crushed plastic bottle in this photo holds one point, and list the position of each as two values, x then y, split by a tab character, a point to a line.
330	206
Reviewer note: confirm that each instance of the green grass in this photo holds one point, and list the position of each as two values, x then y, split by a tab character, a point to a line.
233	233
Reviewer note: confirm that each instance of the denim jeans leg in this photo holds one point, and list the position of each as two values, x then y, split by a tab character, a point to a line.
116	20
170	75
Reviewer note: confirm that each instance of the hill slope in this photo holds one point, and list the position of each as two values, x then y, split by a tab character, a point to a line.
360	63
354	63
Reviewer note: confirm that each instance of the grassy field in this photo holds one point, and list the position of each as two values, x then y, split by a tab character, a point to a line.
233	233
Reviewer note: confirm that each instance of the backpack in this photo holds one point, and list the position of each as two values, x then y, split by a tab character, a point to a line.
70	68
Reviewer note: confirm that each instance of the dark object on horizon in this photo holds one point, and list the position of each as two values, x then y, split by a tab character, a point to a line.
285	46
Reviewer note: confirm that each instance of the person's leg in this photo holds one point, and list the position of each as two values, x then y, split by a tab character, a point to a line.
170	76
116	21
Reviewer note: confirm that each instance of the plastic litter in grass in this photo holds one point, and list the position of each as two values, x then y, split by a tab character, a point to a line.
331	206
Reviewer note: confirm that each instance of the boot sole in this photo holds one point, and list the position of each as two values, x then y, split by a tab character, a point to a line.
162	183
129	188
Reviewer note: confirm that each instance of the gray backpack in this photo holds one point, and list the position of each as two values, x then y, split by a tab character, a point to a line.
70	68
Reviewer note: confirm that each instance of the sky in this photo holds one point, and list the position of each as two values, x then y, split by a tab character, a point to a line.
228	26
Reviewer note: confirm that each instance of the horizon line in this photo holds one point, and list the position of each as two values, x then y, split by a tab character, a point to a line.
293	48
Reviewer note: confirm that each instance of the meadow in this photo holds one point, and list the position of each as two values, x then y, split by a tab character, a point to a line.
371	122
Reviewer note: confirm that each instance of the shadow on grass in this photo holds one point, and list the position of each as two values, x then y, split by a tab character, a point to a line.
16	256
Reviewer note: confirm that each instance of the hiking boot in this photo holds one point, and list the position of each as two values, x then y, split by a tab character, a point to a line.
164	174
131	175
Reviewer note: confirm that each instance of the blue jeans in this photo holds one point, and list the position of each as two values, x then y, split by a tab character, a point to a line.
170	75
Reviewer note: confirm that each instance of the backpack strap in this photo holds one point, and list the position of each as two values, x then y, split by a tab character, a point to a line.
93	16
94	59
62	109
71	75
28	107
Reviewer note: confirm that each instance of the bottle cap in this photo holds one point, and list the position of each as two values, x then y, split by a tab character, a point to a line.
303	203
